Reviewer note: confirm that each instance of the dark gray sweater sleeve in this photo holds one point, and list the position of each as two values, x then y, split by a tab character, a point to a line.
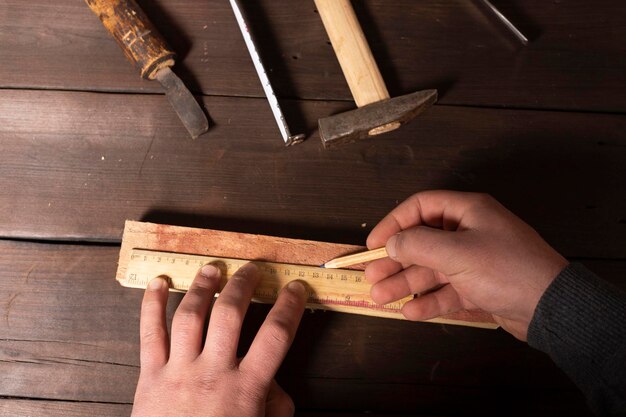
580	322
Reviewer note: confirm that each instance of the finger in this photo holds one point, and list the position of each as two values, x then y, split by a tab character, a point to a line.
227	316
154	341
443	209
190	316
434	304
279	403
437	249
413	280
274	338
380	269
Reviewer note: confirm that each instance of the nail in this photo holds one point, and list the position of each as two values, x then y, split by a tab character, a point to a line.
209	271
296	287
391	246
247	269
156	284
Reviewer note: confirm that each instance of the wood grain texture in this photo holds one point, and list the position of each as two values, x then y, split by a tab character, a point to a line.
575	59
74	166
69	173
63	314
194	241
26	408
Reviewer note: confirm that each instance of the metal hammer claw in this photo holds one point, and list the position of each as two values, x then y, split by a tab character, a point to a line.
377	112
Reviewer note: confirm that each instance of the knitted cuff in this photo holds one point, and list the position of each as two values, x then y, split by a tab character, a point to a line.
580	322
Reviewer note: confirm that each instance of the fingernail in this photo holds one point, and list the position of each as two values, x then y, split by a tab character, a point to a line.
209	271
249	268
156	283
391	246
296	287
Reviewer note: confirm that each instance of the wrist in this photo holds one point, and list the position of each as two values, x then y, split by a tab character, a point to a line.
543	283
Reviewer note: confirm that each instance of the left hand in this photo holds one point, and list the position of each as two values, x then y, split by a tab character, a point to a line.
180	378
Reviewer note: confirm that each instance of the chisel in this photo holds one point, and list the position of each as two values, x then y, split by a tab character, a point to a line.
147	50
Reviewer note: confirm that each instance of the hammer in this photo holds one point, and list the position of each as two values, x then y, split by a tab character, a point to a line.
377	113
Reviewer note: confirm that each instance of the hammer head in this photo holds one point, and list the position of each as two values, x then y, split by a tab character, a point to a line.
374	119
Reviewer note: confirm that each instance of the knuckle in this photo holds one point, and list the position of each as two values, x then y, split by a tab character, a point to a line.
483	199
227	310
284	402
280	331
252	389
194	299
203	283
151	334
187	318
197	293
151	303
288	404
205	383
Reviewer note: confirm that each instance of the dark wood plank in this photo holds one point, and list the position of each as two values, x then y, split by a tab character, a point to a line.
76	165
30	408
62	314
575	59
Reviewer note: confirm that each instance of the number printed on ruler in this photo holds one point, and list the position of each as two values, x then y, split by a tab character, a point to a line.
330	289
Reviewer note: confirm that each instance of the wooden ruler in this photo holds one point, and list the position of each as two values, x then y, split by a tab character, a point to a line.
328	289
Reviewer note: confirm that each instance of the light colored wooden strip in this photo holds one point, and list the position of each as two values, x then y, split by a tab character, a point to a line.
353	52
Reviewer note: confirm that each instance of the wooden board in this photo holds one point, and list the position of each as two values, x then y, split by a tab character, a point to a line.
26	408
575	59
63	314
76	165
194	241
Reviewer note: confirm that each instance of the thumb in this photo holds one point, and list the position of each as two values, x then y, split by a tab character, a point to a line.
279	403
433	248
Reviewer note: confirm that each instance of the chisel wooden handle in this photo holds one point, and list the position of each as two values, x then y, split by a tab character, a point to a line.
353	52
136	35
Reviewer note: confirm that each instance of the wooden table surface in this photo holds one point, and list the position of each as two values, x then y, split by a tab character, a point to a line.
86	144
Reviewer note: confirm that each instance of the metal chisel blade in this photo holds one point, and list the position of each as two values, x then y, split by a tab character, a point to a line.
183	102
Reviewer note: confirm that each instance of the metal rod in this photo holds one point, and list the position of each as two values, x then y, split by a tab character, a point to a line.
510	26
265	82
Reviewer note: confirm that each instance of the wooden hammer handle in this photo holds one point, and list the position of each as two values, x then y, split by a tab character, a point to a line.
353	52
135	34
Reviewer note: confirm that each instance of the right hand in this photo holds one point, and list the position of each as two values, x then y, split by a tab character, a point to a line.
466	251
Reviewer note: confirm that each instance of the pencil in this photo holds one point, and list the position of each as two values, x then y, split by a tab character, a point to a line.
356	258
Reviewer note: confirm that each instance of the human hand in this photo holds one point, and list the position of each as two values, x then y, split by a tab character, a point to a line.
465	251
181	378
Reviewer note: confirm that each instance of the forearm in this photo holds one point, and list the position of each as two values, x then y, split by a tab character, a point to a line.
580	322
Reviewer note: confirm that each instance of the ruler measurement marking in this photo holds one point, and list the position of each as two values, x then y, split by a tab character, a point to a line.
326	287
